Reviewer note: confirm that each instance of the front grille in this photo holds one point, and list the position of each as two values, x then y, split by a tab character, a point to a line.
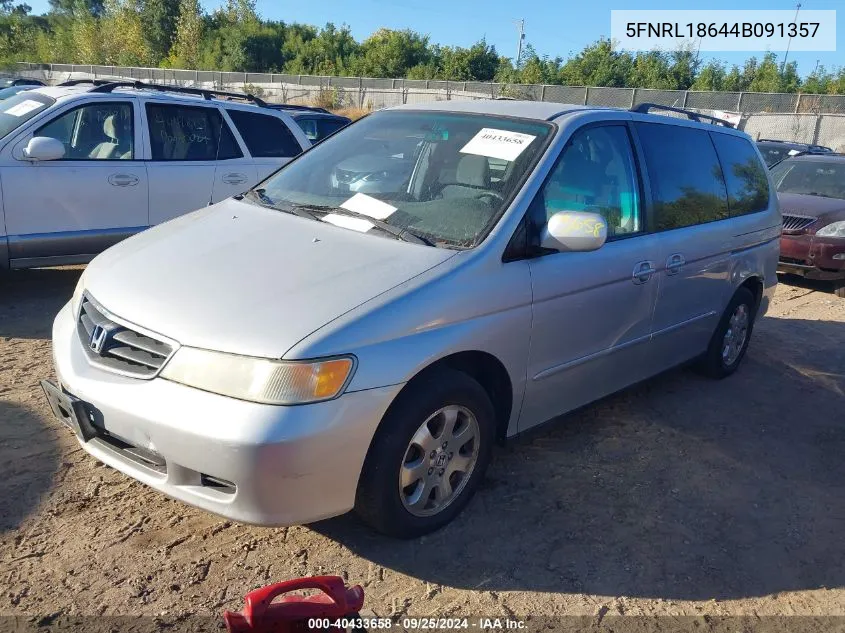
114	346
796	223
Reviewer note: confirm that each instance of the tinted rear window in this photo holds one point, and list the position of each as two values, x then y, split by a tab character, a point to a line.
265	136
330	126
686	179
748	184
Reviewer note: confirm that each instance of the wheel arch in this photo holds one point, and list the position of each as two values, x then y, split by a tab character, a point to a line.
485	369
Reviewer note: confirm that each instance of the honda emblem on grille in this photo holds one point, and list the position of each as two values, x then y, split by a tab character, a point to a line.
99	337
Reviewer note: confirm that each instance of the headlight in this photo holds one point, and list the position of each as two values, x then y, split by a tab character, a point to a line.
77	294
259	379
836	229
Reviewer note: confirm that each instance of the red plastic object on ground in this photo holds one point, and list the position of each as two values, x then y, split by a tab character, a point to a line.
290	614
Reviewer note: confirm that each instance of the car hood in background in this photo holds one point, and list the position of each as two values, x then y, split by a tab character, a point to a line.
829	209
240	278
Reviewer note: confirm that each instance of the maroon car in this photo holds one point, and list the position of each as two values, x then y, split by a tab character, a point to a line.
811	190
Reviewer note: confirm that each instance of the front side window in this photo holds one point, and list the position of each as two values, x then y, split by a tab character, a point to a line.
265	136
330	126
17	109
596	173
189	133
309	126
444	177
97	131
686	178
745	176
825	178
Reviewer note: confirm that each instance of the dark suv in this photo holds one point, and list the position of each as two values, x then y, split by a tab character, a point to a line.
774	151
811	189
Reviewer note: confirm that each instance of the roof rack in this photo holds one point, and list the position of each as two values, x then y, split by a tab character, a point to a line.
645	108
79	82
294	106
812	146
110	86
24	81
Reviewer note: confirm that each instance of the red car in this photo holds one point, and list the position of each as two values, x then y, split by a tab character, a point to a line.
811	190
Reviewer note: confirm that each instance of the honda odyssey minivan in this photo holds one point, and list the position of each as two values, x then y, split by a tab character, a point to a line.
307	349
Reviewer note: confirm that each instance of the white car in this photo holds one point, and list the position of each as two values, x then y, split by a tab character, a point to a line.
86	164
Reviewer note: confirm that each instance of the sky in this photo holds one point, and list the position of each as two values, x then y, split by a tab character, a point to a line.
553	27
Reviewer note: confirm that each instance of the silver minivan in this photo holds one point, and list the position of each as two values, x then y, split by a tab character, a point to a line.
312	347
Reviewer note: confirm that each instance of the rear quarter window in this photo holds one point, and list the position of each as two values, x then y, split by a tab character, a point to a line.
745	176
266	136
686	178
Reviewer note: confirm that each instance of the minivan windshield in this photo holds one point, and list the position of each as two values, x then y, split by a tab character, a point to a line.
20	108
824	178
440	178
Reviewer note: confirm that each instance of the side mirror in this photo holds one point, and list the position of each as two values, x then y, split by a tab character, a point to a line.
574	231
44	148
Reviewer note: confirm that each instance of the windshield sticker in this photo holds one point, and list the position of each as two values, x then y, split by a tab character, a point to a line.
367	205
793	152
356	224
500	144
24	107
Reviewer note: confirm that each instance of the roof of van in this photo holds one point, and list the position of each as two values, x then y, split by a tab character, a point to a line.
546	111
540	110
63	92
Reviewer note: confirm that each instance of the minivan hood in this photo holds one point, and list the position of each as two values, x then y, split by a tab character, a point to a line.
244	279
831	209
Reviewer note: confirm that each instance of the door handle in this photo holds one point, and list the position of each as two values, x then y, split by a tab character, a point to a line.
674	264
124	180
234	179
643	272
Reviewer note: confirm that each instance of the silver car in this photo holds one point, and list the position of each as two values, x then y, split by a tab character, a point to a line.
299	351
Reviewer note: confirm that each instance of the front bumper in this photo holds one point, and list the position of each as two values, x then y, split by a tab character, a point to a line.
812	256
254	463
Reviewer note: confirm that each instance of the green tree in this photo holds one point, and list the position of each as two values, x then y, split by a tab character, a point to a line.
185	51
71	7
159	19
389	53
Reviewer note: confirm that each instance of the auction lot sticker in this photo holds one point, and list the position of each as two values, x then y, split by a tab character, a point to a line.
500	144
23	107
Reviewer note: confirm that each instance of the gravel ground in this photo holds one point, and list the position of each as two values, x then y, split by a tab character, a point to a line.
678	497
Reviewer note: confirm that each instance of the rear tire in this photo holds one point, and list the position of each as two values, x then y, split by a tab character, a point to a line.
730	340
428	456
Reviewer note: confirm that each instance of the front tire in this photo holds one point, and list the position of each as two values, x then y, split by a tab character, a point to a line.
428	456
730	340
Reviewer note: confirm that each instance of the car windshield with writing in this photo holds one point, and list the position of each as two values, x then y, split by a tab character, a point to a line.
443	178
20	108
820	177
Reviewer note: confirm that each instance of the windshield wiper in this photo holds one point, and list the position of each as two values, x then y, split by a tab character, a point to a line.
399	233
266	201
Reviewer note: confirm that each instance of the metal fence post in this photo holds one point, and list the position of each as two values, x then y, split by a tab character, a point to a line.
633	98
448	94
586	94
739	102
543	93
797	102
360	92
686	97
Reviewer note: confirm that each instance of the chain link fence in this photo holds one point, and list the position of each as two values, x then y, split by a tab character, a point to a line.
806	118
357	89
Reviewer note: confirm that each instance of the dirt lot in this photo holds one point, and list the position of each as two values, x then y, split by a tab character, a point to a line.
681	496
